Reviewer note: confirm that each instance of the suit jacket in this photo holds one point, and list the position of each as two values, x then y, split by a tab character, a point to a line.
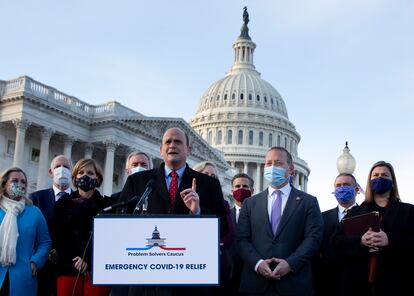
45	201
297	239
208	189
328	265
33	245
237	262
393	275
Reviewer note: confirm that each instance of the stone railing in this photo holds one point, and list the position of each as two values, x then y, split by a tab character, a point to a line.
32	88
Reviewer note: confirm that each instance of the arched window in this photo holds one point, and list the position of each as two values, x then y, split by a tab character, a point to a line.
240	137
265	99
233	96
278	140
261	139
270	140
258	97
250	137
225	97
229	137
219	136
241	96
250	97
209	137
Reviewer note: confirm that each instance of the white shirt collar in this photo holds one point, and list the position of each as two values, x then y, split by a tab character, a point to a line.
57	190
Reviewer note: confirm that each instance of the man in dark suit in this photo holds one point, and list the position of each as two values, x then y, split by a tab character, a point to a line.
194	193
328	265
242	187
60	171
278	232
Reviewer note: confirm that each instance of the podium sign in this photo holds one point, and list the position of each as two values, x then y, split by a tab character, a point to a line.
154	250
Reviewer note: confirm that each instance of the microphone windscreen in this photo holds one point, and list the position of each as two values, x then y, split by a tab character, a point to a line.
151	183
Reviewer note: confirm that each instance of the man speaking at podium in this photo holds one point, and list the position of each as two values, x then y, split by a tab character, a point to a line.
177	188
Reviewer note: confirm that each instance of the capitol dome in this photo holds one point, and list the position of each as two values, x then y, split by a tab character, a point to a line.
243	115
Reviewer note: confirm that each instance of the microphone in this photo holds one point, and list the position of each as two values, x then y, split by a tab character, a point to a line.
149	187
143	200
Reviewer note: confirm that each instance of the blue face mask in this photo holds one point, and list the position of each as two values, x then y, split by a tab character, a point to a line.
275	175
381	185
137	169
344	194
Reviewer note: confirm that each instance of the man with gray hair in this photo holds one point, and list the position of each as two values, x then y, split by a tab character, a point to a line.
60	171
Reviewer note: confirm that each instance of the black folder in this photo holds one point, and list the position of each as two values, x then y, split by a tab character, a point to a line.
358	225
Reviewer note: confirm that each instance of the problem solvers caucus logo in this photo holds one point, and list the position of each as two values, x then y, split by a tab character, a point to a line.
153	242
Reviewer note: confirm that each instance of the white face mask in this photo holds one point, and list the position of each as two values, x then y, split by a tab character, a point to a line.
137	169
61	176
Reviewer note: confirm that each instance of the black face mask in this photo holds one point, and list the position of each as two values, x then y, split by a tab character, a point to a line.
86	183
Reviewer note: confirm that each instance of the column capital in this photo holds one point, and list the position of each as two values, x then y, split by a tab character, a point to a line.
68	140
89	146
46	133
110	144
21	124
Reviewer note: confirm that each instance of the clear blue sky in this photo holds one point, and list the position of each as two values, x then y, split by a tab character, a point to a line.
344	68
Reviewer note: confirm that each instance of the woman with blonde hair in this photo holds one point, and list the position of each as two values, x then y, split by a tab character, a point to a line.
73	231
24	237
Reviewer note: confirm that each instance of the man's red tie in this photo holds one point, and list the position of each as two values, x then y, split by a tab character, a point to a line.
173	187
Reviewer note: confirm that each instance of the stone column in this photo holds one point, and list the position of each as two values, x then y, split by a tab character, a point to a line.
21	127
109	166
46	134
67	148
257	180
88	150
305	183
246	164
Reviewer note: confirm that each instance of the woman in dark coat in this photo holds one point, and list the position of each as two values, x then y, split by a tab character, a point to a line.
73	231
380	263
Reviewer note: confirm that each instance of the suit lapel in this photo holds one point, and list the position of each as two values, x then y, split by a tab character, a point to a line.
263	199
293	201
161	184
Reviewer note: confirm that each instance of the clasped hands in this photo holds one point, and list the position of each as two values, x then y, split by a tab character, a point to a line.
273	268
191	198
374	239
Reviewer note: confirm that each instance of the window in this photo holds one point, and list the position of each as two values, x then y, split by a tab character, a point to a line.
35	155
278	140
218	97
258	98
250	97
229	137
270	140
10	147
233	96
241	96
240	137
265	99
225	97
261	139
209	136
250	137
219	136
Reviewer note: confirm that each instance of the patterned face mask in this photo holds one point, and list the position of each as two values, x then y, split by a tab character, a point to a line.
86	183
16	191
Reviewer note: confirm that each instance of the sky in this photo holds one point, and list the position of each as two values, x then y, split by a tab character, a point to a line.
344	68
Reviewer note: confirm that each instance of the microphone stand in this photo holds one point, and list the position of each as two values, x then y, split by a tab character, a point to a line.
143	201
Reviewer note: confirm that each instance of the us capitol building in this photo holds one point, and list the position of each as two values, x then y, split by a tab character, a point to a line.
238	118
243	115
